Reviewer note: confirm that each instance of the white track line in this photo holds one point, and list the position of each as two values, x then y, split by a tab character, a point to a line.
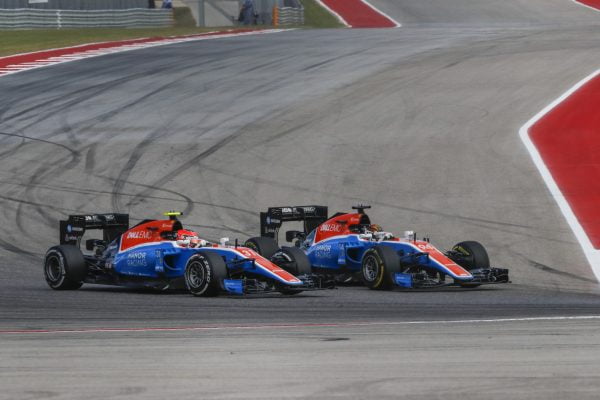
398	24
55	60
592	255
585	5
338	16
300	325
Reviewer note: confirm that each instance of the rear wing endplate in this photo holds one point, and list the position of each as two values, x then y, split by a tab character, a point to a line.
271	221
112	225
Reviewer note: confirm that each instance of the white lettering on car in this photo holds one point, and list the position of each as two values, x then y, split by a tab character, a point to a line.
139	235
136	259
323	250
331	228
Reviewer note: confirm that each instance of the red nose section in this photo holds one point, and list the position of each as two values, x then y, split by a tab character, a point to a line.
440	258
268	265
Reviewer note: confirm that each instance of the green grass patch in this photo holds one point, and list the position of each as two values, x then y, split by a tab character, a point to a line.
24	41
14	42
315	16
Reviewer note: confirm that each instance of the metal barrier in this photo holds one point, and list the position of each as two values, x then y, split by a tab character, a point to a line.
27	18
226	12
74	4
291	16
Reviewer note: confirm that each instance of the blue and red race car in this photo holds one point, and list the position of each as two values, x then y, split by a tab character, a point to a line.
348	244
161	254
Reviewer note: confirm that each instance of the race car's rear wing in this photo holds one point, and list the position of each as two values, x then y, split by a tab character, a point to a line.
112	225
311	216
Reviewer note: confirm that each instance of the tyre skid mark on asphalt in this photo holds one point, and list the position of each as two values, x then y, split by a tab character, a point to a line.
17	135
226	327
546	268
27	61
75	97
192	162
261	180
20	225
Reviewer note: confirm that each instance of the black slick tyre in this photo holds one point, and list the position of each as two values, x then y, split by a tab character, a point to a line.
294	261
265	246
472	256
379	264
204	273
64	267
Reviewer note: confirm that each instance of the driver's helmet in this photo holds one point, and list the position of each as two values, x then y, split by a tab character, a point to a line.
375	228
187	238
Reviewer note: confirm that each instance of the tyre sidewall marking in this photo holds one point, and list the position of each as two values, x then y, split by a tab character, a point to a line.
380	268
62	264
207	273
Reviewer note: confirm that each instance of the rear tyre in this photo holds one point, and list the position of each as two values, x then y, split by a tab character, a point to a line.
472	256
64	267
379	264
294	261
265	246
204	273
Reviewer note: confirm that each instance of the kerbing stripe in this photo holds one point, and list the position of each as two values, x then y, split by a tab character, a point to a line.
398	24
586	6
335	14
592	255
117	47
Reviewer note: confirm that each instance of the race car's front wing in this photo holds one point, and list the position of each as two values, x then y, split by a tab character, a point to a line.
480	277
255	286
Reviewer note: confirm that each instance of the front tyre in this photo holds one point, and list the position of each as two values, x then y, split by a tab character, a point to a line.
64	267
204	273
294	261
265	246
471	256
379	264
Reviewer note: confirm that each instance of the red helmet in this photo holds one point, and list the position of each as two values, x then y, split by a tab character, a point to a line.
187	238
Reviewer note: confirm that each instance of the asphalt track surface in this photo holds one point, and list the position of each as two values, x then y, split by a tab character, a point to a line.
422	122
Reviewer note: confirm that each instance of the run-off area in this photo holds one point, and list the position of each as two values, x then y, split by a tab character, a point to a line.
539	359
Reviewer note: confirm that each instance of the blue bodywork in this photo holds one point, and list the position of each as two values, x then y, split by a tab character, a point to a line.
345	244
345	254
166	262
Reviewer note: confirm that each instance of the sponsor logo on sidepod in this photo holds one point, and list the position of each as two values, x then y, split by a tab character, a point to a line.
139	235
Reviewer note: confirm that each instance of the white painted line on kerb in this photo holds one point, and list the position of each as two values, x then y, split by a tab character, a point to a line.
13	69
298	325
398	24
335	14
592	255
585	5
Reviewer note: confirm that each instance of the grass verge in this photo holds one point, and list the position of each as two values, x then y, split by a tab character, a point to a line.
24	41
14	42
315	16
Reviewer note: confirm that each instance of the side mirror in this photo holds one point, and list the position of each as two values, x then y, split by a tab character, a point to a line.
291	235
